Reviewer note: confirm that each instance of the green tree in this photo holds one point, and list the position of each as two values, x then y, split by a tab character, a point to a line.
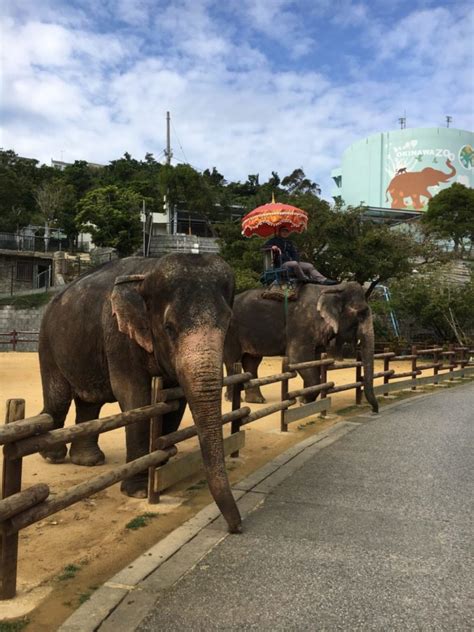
54	199
353	247
450	215
112	216
444	310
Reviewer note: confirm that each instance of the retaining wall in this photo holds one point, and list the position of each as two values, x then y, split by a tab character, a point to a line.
21	320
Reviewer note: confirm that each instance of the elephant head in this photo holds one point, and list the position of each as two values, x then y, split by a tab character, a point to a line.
180	313
431	177
346	316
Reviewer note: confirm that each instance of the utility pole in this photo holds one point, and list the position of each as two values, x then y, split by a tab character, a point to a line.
168	154
449	119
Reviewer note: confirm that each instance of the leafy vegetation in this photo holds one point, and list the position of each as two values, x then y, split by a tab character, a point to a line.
140	521
68	572
450	215
14	626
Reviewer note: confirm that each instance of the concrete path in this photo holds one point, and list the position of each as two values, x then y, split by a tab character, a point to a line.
366	528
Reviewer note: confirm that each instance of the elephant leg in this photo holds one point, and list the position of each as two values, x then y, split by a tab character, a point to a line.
137	435
85	450
310	377
57	400
232	354
250	364
417	204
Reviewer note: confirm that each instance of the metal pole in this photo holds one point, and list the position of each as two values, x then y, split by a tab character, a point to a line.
168	153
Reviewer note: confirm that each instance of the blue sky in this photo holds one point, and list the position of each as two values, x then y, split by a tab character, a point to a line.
252	85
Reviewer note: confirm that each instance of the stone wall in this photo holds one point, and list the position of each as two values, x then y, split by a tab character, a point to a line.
20	320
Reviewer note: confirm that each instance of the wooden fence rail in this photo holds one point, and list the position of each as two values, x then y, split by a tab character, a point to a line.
22	437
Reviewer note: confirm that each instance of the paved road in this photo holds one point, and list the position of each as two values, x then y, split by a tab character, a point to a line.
371	533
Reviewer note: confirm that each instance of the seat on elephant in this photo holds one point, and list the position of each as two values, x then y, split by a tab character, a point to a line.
280	283
273	272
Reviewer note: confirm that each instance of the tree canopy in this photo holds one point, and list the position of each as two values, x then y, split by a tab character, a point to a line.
112	216
450	215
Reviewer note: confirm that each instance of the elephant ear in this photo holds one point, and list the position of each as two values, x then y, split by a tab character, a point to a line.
128	307
329	305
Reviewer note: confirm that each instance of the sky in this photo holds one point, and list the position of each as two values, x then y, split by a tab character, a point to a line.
252	86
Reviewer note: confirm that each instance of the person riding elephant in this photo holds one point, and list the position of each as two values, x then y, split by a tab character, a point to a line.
301	331
108	333
289	259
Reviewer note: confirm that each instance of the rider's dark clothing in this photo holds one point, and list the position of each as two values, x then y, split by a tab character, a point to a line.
289	252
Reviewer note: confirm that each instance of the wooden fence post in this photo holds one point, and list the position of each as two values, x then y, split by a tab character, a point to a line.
462	359
436	368
414	353
324	378
358	390
284	393
11	484
386	367
236	402
452	360
14	343
156	430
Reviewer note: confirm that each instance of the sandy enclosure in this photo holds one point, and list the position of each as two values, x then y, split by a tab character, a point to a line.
92	537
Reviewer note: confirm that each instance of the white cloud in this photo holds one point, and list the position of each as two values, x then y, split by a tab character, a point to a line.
95	93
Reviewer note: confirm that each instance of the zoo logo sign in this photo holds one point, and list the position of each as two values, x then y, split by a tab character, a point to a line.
418	153
466	156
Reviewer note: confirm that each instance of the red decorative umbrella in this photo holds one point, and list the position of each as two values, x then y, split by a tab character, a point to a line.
267	219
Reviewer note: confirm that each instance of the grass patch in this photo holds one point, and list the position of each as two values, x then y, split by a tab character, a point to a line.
308	423
199	485
27	301
14	626
84	597
69	572
140	521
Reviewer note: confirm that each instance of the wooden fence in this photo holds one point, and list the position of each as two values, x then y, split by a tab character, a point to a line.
21	437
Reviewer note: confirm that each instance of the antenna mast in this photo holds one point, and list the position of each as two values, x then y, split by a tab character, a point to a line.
449	119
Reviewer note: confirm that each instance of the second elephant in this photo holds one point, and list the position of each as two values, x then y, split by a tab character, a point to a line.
261	327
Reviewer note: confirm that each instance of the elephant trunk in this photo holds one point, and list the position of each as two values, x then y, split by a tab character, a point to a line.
365	334
452	171
199	370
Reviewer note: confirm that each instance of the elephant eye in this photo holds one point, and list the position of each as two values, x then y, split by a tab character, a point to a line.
171	330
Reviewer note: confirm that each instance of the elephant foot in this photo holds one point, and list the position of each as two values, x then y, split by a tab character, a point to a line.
135	487
86	456
254	398
55	455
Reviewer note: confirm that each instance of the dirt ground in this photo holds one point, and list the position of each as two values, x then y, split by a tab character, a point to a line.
63	558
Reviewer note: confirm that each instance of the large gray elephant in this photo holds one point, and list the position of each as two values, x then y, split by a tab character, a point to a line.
301	331
105	336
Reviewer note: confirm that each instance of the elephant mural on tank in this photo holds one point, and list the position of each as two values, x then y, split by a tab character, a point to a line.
106	334
260	327
415	184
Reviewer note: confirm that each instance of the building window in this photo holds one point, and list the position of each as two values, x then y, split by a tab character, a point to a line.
24	271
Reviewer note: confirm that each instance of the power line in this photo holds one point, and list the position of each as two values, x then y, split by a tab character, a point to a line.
179	142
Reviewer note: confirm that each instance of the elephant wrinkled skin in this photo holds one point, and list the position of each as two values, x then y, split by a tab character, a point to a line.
260	327
105	336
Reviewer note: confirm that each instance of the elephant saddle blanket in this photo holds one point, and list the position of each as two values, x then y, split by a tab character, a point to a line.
281	292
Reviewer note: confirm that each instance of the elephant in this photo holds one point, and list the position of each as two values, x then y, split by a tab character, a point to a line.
106	334
301	330
414	184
